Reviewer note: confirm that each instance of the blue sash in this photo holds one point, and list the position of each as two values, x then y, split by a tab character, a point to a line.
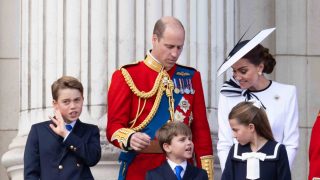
160	118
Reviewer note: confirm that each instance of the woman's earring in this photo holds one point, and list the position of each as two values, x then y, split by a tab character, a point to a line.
260	73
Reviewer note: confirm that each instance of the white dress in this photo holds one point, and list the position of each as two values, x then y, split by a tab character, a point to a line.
280	101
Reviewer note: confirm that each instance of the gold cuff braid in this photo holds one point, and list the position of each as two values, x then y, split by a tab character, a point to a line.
122	135
207	164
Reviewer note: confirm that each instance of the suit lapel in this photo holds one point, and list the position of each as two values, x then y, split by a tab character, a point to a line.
189	172
77	130
167	172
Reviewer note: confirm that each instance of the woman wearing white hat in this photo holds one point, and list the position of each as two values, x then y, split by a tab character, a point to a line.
250	61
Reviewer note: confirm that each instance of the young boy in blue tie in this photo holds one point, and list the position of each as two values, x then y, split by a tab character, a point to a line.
175	139
64	147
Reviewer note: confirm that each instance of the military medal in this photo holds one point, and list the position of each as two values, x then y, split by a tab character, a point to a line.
191	89
187	89
184	104
176	89
181	88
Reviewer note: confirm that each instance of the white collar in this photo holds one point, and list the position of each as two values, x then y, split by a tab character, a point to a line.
253	160
273	156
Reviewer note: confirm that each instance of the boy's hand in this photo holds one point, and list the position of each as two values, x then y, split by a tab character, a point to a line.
59	126
139	141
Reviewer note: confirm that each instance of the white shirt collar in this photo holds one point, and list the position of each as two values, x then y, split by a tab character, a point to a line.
173	165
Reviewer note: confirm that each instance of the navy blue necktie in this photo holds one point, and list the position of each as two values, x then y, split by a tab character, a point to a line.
178	170
68	127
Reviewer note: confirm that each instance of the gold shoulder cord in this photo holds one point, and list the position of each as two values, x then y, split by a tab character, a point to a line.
159	87
162	84
134	88
207	165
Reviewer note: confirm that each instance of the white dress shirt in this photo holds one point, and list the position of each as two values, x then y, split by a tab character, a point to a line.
173	165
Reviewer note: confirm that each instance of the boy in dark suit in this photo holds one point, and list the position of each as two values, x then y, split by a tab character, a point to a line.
63	148
175	139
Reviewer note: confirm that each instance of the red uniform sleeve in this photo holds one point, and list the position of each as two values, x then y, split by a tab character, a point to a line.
119	102
200	126
314	150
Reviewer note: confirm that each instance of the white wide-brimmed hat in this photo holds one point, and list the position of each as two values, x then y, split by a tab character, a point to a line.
242	48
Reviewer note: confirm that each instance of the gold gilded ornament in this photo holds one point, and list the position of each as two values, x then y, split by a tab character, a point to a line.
207	164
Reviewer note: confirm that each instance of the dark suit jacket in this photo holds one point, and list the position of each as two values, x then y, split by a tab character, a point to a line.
164	172
47	157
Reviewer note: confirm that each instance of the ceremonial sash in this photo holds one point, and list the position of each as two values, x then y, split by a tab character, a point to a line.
160	118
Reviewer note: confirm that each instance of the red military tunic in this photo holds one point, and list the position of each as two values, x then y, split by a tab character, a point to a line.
123	106
314	150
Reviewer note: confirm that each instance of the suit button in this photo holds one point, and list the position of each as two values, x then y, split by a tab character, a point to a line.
60	167
71	147
78	165
74	149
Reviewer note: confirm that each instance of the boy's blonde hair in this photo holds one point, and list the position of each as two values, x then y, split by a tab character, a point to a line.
166	133
65	82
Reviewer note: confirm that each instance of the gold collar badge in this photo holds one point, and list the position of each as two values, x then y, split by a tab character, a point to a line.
153	64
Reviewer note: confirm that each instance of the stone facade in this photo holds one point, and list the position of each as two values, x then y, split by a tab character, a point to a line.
41	40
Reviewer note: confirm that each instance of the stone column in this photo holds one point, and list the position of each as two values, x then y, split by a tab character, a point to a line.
62	38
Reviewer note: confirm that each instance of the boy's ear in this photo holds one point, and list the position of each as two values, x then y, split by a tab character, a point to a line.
167	147
54	104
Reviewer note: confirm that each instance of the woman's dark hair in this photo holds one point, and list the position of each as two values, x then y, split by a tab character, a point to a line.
260	54
256	56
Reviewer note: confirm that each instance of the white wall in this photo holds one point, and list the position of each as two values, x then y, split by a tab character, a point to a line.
9	74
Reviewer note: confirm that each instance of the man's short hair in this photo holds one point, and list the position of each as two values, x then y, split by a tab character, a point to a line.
166	133
162	24
65	82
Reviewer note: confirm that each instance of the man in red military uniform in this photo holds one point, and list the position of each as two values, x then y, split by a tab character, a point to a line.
314	151
144	96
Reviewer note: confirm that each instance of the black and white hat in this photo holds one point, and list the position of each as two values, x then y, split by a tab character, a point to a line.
242	48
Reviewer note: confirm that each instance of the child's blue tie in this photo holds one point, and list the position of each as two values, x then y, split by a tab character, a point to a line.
178	170
68	127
